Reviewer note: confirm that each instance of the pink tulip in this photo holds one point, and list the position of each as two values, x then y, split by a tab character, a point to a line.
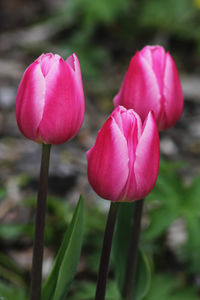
123	164
50	100
152	83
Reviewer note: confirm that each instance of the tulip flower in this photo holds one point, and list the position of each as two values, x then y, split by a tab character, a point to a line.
152	83
50	99
123	164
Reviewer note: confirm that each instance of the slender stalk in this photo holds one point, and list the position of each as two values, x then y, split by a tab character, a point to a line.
38	245
105	254
129	283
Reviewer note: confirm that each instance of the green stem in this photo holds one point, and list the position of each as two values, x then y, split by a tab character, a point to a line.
36	276
105	254
129	283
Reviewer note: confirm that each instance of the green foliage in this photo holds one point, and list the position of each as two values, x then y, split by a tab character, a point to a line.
86	291
92	12
58	215
172	199
171	15
3	193
64	268
121	241
165	202
10	271
125	22
166	287
15	231
120	252
9	292
143	276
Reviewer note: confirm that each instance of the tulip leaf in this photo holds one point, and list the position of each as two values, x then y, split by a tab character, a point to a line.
120	252
165	287
143	276
58	282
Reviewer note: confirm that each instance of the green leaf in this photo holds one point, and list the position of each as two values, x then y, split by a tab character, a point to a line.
85	290
160	220
120	241
167	287
15	231
10	292
190	249
120	251
162	14
193	193
65	265
143	276
169	189
112	292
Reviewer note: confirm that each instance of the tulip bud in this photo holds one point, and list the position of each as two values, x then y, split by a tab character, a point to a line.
152	83
123	164
50	100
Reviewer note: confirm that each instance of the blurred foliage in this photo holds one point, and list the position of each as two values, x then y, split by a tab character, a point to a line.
8	292
120	250
176	17
86	291
172	199
173	267
167	287
102	30
65	264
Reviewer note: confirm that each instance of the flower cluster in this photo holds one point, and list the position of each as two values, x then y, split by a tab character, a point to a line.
123	163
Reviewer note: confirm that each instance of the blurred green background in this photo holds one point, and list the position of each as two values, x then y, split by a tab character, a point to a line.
105	35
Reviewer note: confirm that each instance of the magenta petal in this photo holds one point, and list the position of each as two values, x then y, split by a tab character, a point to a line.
74	63
147	161
70	61
146	53
159	60
140	89
47	61
117	116
156	57
132	139
30	101
131	122
64	104
173	94
108	162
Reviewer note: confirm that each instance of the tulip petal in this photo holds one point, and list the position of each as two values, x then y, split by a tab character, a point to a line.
124	118
130	187
131	121
173	94
64	105
74	63
71	61
108	162
130	125
30	101
156	57
146	164
144	95
47	62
